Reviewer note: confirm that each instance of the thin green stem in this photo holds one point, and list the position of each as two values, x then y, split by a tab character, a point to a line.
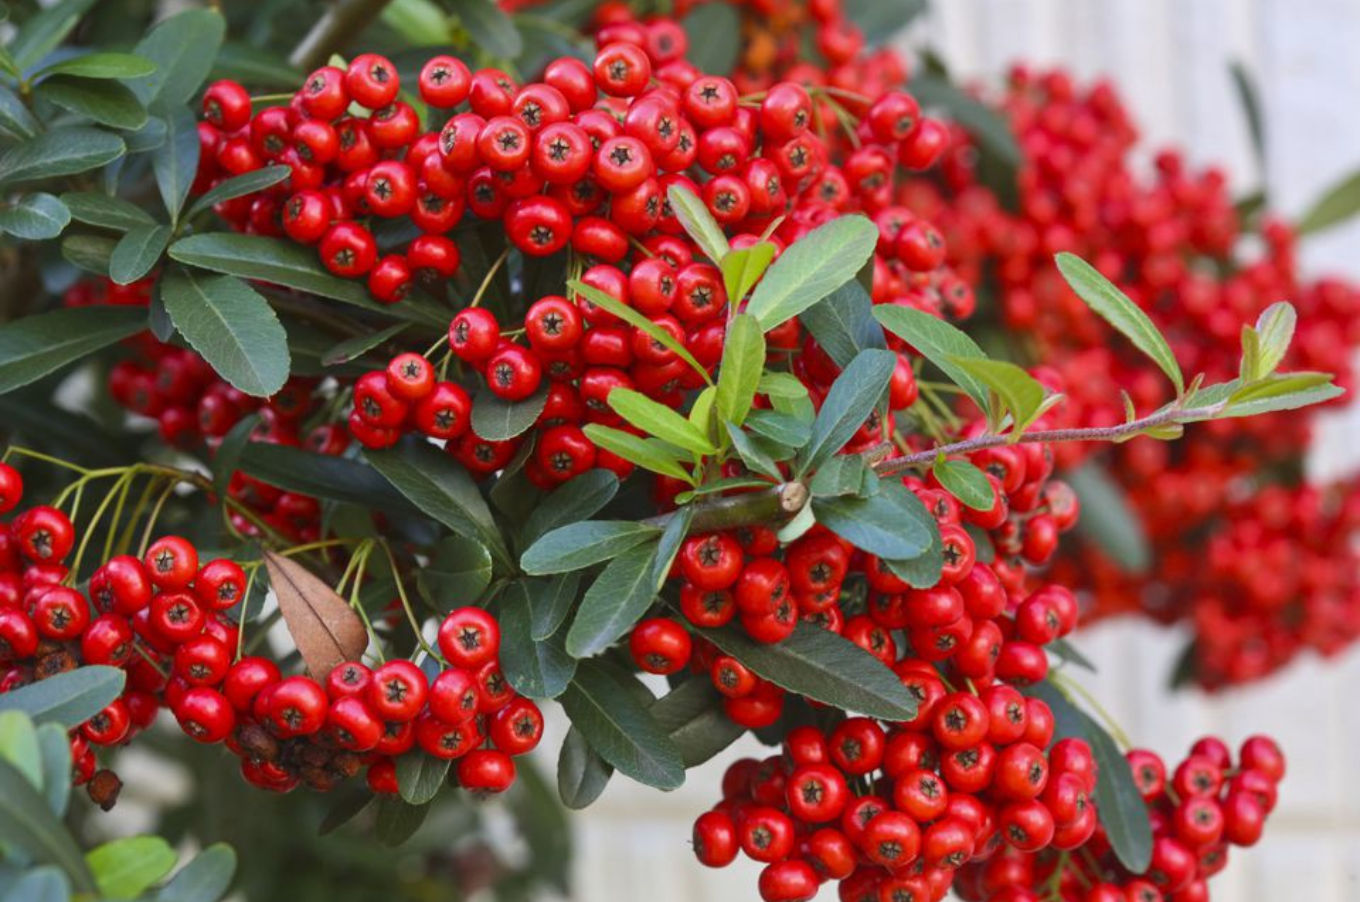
155	515
109	497
246	603
407	605
488	279
46	458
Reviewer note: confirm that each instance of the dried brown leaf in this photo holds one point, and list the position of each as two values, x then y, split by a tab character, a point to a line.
325	629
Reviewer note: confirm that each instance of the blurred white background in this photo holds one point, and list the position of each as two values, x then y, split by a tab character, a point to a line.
1170	60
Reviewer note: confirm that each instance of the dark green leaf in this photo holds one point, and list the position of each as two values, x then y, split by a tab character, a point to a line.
105	211
582	773
34	346
852	398
741	366
205	879
354	348
232	326
781	428
876	524
669	543
1121	808
754	456
575	500
614	602
420	776
695	218
158	319
62	151
1251	109
696	721
823	666
939	342
551	600
580	545
137	252
1021	394
1185	669
842	323
536	668
176	160
35	217
229	454
924	571
106	102
40	884
491	29
100	65
844	474
26	823
126	867
320	475
183	48
347	804
397	820
239	186
459	570
989	127
965	482
15	119
1337	204
647	453
497	420
1066	651
19	746
1120	312
88	252
44	30
31	413
714	36
148	137
55	750
812	268
621	729
1108	520
882	20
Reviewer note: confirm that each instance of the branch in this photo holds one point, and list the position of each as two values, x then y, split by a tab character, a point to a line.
774	505
343	21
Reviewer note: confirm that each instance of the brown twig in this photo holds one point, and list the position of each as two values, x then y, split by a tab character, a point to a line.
342	22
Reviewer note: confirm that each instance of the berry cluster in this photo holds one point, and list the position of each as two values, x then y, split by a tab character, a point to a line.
1168	242
1197	812
163	619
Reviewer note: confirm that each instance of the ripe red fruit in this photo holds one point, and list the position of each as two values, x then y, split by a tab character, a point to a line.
11	488
469	638
205	715
659	645
486	770
372	81
715	839
398	691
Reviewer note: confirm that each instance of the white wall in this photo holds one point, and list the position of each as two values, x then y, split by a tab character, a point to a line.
1169	58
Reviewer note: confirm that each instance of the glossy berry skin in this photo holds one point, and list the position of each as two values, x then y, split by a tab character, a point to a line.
659	645
469	638
715	839
473	335
398	691
220	584
205	715
11	488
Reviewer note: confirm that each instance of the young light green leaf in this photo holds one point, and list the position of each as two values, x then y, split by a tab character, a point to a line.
639	321
650	454
580	545
695	218
1280	391
34	346
183	48
1020	393
35	217
100	65
1274	333
1104	298
105	102
61	151
1337	204
940	343
741	368
619	727
702	413
137	252
1250	366
965	482
125	868
225	320
742	268
658	420
851	400
811	269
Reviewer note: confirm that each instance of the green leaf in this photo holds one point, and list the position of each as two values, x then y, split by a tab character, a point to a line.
61	151
41	884
743	267
34	346
658	420
100	65
459	570
754	456
1274	333
320	475
1280	391
580	545
876	524
228	457
741	367
1337	204
347	804
1251	109
105	102
649	454
88	252
582	773
491	29
205	879
396	820
852	398
183	48
1020	393
68	699
497	420
176	161
536	668
1108	520
965	482
44	30
125	868
426	476
420	776
940	343
781	428
1066	651
988	126
639	321
360	345
15	119
1121	808
239	186
35	217
881	20
232	326
26	823
714	36
420	22
1104	298
19	746
823	666
621	729
670	543
255	66
575	500
551	600
842	323
55	749
105	211
812	268
845	474
614	602
695	218
137	252
696	721
543	824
